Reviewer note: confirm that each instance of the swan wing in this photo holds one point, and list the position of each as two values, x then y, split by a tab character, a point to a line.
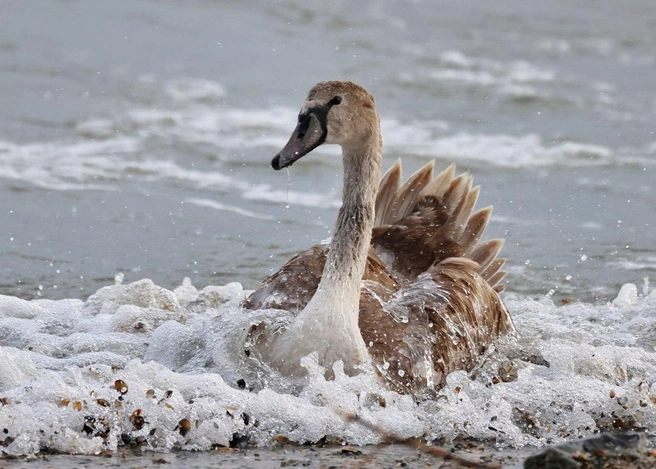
429	219
442	321
292	287
419	224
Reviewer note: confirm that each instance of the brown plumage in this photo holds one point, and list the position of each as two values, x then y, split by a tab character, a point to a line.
427	301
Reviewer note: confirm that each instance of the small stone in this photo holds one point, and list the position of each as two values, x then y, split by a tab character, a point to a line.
184	426
121	386
351	451
137	419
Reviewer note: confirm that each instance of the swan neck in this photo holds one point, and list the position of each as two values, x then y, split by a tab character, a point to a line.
347	256
328	324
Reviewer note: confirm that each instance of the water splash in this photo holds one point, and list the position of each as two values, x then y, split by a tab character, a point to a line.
575	370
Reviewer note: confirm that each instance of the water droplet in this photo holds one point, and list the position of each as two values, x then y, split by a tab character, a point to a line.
289	185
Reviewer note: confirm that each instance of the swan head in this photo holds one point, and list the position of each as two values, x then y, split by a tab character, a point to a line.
337	112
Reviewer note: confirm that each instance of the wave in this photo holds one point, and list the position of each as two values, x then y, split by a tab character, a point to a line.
166	368
517	79
166	144
213	204
265	192
639	263
512	152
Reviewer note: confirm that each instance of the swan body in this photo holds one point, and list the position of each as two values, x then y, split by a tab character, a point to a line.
404	280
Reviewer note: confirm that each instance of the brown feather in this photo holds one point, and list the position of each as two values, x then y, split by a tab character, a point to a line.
475	227
492	269
387	194
463	212
438	186
410	193
432	331
485	252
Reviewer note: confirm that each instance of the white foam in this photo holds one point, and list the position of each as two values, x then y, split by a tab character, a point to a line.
508	151
229	208
628	296
512	78
591	225
181	355
638	263
221	126
65	166
193	89
128	147
476	77
97	165
265	192
456	59
556	46
601	46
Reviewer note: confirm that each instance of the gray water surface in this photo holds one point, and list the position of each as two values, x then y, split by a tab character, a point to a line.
119	121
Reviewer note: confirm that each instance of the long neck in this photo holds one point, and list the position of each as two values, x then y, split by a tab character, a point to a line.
352	236
347	257
328	324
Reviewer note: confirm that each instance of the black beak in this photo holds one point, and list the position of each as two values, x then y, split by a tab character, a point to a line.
309	134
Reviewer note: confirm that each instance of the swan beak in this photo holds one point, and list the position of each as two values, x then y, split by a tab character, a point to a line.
308	135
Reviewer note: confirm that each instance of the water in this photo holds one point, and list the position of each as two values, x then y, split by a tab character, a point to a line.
135	137
133	362
314	456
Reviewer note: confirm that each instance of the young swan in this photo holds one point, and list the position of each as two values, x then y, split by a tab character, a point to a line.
431	308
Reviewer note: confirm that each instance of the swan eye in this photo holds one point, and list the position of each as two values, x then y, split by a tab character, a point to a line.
335	101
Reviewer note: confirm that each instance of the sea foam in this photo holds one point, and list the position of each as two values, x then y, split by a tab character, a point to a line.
137	364
152	145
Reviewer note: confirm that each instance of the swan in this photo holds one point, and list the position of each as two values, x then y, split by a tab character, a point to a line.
404	282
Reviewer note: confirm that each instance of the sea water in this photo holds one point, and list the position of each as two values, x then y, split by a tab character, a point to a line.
167	369
136	138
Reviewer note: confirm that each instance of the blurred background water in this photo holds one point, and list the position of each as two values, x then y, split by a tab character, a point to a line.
136	136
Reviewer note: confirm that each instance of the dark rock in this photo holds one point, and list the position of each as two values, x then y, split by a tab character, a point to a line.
351	451
626	450
238	441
